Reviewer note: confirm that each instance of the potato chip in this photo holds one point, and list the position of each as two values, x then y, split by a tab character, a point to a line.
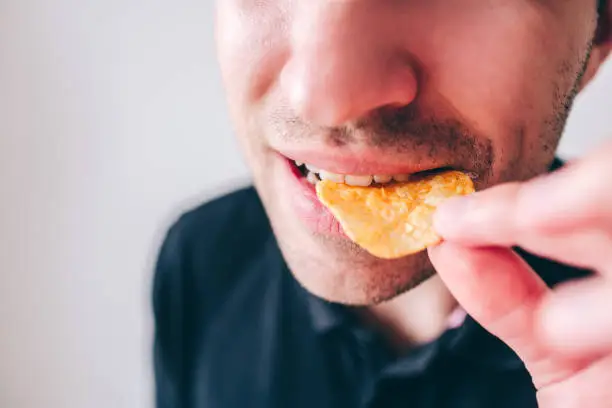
394	220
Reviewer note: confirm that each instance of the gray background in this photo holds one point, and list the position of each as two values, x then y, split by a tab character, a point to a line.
112	120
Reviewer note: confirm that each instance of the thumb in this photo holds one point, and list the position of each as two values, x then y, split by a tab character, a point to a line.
502	293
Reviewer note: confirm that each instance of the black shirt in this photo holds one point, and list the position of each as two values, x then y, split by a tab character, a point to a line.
235	330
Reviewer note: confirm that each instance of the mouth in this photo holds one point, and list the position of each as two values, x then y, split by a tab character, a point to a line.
313	175
299	178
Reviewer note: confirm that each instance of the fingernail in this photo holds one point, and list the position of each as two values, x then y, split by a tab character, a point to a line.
449	217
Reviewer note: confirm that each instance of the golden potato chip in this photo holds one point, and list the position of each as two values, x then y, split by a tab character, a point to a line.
394	220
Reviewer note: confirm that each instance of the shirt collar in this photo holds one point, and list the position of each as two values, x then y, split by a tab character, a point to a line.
469	342
325	316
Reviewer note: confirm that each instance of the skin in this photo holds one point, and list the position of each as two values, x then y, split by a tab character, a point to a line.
479	85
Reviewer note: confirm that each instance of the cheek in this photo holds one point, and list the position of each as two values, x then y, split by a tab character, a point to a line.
501	74
508	73
251	48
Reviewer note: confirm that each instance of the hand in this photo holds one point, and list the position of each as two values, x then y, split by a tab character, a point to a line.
564	336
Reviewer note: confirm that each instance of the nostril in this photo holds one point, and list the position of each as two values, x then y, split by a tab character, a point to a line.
402	87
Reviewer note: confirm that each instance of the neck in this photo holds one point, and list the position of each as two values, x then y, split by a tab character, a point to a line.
413	318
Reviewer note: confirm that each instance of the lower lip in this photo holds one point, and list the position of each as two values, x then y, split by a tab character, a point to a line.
306	204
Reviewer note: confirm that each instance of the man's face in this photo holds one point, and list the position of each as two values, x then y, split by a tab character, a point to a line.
389	87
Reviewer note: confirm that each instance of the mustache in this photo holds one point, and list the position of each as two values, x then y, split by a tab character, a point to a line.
403	131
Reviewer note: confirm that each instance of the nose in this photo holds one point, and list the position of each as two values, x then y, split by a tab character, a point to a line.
344	63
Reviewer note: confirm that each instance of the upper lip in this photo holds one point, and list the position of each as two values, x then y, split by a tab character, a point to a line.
363	163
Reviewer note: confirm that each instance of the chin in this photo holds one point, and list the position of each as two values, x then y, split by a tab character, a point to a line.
338	271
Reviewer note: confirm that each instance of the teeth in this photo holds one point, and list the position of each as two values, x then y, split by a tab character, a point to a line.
312	168
312	178
315	174
361	181
401	177
382	179
326	175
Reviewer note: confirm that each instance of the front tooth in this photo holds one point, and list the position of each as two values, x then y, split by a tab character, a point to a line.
360	181
326	175
402	178
312	178
298	163
312	168
382	179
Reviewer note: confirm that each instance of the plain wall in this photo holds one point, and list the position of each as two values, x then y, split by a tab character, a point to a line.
112	120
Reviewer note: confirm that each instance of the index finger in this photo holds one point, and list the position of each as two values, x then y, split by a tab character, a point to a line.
568	212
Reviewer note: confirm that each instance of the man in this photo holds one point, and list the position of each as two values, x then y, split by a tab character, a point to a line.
280	309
